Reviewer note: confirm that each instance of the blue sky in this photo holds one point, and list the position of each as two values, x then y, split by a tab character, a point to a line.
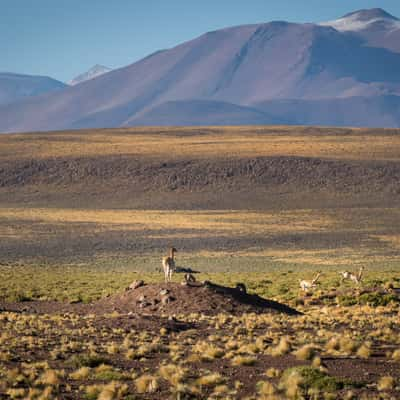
62	38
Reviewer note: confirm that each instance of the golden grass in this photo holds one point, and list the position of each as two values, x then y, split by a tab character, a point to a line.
213	142
192	377
239	222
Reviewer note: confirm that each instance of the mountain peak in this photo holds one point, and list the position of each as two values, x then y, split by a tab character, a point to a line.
99	67
370	14
363	19
91	73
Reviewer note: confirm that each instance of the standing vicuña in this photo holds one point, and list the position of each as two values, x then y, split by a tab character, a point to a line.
305	285
168	264
352	277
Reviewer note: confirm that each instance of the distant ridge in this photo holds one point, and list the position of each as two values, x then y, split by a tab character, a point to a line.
15	87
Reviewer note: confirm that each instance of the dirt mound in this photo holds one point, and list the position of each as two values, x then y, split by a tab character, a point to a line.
174	298
162	299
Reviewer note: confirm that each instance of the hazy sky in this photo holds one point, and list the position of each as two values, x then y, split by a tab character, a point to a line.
62	38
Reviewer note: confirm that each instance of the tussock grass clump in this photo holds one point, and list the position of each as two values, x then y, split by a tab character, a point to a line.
273	373
306	352
146	384
386	383
210	380
282	348
265	388
291	382
14	376
232	344
208	352
113	391
301	379
250	348
332	345
48	378
110	375
79	374
347	345
113	348
364	351
221	390
172	373
243	360
92	392
396	355
16	393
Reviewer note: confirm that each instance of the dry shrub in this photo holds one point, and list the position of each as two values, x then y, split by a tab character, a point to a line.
265	388
81	373
385	383
273	373
113	391
243	360
172	373
210	380
305	353
396	355
48	378
282	348
146	384
364	351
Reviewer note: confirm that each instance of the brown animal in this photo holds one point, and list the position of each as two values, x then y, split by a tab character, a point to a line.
168	264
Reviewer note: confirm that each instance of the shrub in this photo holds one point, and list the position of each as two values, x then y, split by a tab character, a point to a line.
244	360
305	353
376	299
385	383
311	378
210	380
146	384
81	373
110	375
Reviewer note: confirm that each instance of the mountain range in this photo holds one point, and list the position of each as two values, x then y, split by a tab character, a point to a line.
341	72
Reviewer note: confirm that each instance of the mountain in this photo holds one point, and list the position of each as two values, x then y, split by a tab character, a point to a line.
93	72
250	74
14	87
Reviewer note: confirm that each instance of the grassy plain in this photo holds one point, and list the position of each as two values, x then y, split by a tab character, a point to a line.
83	214
103	250
213	142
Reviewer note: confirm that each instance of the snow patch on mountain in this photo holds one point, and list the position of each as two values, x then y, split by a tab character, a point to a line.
359	21
93	72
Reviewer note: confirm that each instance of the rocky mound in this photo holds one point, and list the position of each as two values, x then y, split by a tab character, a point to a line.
175	298
162	299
